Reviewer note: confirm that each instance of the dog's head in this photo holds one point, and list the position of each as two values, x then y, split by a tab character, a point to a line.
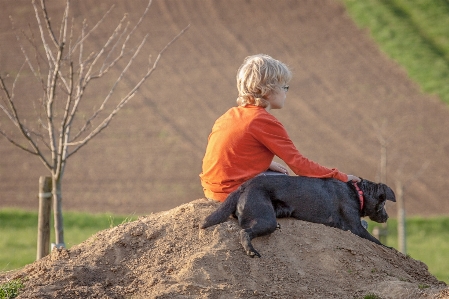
376	195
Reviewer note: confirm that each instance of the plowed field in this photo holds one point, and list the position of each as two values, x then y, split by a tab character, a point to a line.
345	96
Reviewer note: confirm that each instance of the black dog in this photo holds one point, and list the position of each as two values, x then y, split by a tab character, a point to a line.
258	202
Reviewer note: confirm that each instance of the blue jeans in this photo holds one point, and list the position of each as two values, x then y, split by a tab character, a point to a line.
271	172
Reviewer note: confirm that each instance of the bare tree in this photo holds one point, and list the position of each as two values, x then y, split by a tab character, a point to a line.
64	69
384	142
401	181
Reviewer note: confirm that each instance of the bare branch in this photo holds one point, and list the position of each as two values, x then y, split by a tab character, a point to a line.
41	138
17	144
38	58
80	58
82	85
84	36
111	91
69	101
47	22
127	39
12	111
125	99
52	62
104	68
31	41
23	130
5	110
69	55
27	60
50	58
101	52
63	39
63	29
87	77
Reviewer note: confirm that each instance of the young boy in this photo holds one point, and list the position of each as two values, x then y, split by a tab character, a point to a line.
245	139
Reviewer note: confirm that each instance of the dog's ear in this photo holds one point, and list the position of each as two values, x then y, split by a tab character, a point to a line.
388	194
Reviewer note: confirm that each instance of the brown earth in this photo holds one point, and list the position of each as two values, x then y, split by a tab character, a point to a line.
166	255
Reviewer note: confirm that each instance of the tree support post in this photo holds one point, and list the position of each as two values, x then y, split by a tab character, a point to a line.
43	230
402	236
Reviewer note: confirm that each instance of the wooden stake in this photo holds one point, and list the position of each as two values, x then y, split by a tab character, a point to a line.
43	230
402	236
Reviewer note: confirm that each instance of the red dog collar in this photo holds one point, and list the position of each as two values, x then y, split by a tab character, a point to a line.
360	193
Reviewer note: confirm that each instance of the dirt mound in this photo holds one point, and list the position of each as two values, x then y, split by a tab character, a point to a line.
166	255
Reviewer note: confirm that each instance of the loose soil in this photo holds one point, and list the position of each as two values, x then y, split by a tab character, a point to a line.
166	255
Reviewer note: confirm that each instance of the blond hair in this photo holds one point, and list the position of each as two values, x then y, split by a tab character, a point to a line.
257	76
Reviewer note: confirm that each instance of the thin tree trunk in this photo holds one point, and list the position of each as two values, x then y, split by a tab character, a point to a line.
383	179
57	210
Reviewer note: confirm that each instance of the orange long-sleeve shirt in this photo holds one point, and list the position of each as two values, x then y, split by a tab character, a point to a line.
243	143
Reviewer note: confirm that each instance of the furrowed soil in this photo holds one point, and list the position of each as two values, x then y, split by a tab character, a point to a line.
166	255
346	99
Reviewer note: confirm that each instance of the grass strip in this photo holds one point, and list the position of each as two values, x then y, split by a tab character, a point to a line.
414	33
426	241
10	289
18	229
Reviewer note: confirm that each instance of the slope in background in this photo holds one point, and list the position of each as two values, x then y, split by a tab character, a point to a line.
344	95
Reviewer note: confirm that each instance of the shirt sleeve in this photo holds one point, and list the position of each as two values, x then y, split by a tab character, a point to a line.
272	134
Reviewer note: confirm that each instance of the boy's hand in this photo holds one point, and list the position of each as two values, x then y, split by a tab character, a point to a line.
278	167
353	178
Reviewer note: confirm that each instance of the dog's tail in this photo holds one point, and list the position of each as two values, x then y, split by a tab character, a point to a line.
226	209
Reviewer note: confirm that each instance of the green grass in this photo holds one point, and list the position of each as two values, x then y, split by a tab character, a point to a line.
415	33
427	241
10	289
18	231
